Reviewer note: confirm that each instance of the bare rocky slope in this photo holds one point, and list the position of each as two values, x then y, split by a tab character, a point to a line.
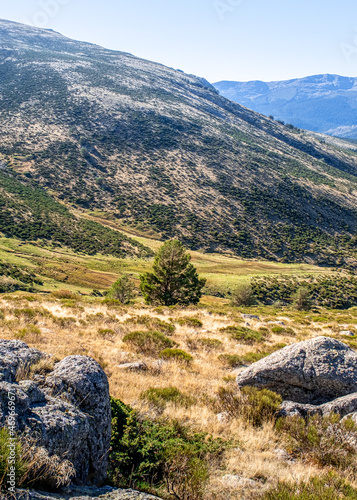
99	129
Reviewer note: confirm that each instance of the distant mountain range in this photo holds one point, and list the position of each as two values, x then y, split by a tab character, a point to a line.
321	103
85	129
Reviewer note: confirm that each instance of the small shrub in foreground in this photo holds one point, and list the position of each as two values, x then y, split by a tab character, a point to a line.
253	405
148	342
235	360
191	322
159	397
5	459
245	335
326	487
64	294
158	455
326	441
151	322
204	343
176	354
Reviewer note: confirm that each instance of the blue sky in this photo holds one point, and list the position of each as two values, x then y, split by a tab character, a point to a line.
217	39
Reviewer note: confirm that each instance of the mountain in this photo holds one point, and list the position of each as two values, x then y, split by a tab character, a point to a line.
321	103
153	147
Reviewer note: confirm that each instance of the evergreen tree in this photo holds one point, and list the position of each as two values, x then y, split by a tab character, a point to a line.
174	279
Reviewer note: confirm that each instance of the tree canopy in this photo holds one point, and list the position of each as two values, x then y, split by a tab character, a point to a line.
174	279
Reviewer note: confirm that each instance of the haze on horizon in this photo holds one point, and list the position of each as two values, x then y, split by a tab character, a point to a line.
216	39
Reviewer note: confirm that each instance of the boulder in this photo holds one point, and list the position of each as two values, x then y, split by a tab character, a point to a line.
134	367
83	493
347	333
315	371
67	412
343	406
14	356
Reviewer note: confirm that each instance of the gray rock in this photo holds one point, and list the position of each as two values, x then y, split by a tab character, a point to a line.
83	493
347	333
68	413
315	371
250	316
134	367
85	385
343	406
15	355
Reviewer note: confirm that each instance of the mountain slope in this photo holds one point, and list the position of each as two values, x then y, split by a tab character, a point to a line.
321	103
160	149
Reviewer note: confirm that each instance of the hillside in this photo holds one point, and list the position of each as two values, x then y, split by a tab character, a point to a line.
158	149
321	103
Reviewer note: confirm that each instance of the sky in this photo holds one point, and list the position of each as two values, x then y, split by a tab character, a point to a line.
217	39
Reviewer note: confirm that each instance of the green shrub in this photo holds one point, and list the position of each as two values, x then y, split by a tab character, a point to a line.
235	360
148	342
26	313
160	454
176	354
253	405
243	295
30	330
152	322
204	343
122	290
302	299
245	335
327	440
325	487
106	332
159	397
8	460
191	322
64	294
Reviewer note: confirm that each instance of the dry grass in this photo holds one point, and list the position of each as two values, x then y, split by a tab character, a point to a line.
69	326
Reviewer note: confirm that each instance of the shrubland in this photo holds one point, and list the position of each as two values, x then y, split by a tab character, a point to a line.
184	412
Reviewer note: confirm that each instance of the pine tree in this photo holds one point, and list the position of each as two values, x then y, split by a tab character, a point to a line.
174	279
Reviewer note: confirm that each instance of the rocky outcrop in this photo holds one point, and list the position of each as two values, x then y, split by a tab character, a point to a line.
315	371
67	412
106	493
343	406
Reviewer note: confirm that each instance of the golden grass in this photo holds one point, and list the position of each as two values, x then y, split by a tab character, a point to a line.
73	326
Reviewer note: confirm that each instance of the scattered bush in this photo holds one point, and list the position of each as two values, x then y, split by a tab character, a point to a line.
176	354
243	295
122	290
325	487
6	461
106	332
235	360
148	342
245	335
324	440
191	322
253	405
29	331
204	343
64	294
282	330
302	299
152	322
159	397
